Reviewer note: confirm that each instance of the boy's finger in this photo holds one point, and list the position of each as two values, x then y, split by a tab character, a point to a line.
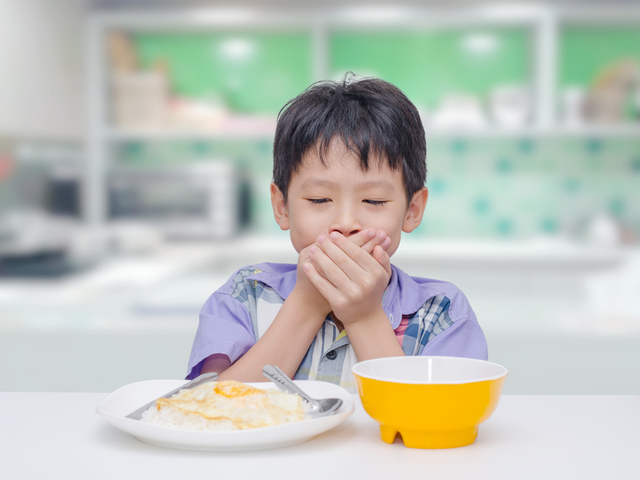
305	256
363	237
378	239
331	269
351	259
369	238
324	286
383	258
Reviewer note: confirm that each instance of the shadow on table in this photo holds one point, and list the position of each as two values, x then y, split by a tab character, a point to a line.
110	437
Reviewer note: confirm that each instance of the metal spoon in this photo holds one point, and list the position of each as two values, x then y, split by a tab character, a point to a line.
318	407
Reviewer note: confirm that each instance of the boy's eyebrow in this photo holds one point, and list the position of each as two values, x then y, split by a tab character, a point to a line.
317	182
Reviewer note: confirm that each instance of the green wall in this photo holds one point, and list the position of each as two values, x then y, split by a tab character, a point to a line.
252	72
428	65
258	72
268	69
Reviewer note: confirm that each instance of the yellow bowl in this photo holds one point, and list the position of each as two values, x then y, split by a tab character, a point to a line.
432	402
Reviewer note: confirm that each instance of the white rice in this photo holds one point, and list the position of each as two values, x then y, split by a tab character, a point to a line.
172	417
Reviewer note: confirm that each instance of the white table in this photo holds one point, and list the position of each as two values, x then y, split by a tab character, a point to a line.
58	435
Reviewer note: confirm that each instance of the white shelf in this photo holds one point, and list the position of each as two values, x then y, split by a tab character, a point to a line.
265	130
251	133
614	131
618	130
550	253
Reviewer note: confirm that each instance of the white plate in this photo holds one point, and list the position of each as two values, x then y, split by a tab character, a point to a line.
125	400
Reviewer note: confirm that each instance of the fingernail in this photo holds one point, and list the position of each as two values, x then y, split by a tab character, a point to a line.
381	234
306	267
313	249
334	235
321	238
372	232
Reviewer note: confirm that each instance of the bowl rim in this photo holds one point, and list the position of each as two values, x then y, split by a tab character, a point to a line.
504	373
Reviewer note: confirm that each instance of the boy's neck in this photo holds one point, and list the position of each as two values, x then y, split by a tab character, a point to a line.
337	322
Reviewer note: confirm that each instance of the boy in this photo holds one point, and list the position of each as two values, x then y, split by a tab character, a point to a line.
349	174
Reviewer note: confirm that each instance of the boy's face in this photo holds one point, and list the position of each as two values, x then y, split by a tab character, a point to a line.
342	197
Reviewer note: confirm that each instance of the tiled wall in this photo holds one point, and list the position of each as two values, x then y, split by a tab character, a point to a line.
523	187
481	187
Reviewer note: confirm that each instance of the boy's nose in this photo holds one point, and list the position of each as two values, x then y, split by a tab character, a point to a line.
346	224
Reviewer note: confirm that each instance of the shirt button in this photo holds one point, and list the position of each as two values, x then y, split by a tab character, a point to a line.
332	355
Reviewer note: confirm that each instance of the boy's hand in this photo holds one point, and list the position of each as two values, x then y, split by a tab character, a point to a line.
351	280
305	288
366	240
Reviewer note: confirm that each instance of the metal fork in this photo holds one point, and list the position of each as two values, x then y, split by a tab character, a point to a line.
204	378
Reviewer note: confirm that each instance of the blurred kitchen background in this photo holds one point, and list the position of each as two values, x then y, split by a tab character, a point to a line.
135	162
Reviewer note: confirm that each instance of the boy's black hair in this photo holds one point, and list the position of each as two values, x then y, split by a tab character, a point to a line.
369	116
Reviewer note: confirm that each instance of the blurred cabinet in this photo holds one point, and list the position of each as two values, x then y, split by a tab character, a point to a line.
251	62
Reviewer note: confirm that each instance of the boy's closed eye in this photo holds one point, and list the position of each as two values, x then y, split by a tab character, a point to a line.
320	201
377	203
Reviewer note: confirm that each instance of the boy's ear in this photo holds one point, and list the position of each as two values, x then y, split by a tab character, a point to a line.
280	211
413	217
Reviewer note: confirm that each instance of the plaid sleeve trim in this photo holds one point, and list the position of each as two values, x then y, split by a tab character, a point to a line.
241	289
251	293
428	322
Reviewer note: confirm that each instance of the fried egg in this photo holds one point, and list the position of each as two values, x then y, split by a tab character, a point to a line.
226	405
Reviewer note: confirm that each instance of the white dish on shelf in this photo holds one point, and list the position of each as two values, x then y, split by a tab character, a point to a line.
126	399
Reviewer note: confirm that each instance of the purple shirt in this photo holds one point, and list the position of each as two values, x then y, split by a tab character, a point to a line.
430	317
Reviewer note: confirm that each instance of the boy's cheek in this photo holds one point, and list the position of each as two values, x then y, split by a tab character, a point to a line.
301	242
